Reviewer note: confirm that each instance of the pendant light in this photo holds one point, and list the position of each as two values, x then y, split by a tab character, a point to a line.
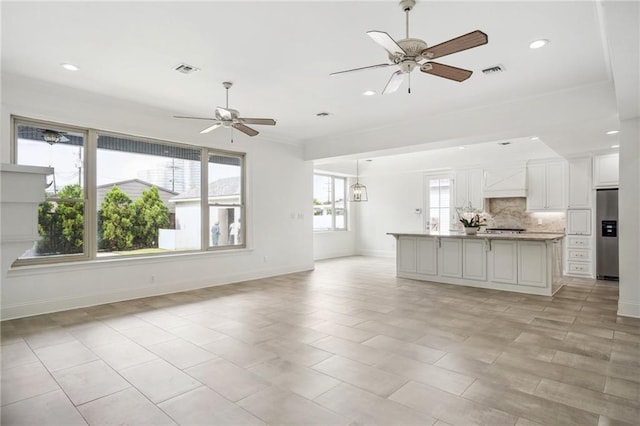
357	191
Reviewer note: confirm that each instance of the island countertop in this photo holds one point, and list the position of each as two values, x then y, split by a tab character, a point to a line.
529	236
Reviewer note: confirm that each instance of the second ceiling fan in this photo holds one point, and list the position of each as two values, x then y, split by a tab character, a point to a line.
409	53
230	118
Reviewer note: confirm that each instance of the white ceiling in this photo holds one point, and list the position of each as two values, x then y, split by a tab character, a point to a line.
279	56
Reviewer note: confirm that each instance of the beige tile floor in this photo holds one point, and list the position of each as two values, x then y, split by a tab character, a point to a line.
348	343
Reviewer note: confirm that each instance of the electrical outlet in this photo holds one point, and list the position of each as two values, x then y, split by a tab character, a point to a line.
539	221
266	258
153	279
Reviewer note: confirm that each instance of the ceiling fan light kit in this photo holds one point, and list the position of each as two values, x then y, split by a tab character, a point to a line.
409	53
230	118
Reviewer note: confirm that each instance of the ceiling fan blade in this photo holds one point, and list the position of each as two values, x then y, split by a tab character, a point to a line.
210	128
388	43
446	71
224	114
394	82
244	129
468	41
362	68
195	118
263	121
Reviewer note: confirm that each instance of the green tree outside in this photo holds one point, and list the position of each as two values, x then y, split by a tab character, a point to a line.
150	214
61	223
116	216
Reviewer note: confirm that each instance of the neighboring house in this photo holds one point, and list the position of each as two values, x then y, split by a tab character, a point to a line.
134	189
225	193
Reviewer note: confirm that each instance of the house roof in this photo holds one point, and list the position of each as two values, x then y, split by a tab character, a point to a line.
225	187
138	181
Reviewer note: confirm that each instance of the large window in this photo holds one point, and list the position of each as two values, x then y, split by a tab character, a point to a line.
329	203
225	206
114	195
148	196
61	218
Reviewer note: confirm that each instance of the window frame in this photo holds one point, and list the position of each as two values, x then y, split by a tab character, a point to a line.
333	204
90	235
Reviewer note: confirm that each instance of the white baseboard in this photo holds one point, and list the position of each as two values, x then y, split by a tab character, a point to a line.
629	309
39	307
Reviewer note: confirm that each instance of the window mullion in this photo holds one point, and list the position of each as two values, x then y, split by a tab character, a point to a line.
204	199
91	208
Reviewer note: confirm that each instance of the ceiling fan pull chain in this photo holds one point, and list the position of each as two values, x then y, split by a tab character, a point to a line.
409	85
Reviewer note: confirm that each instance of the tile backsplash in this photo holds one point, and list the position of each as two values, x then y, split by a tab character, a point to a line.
511	213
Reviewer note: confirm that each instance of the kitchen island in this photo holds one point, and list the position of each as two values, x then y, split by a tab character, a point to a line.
524	263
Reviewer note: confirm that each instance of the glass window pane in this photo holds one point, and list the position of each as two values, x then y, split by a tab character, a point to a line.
340	203
61	217
148	197
225	200
322	202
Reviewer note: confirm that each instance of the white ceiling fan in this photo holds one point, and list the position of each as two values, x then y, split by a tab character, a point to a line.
230	118
409	53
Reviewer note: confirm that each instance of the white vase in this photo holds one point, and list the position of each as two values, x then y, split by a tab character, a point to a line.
471	230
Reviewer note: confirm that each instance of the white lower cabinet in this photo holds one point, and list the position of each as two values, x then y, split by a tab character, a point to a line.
417	255
532	263
427	256
503	262
406	261
450	257
579	255
474	260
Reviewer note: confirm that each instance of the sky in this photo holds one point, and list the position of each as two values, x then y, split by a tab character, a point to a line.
112	166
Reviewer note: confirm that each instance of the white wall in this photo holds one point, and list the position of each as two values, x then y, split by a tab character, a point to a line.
629	218
393	199
279	212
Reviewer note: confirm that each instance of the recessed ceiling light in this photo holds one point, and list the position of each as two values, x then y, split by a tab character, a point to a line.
615	146
538	43
369	93
461	147
613	132
69	67
535	138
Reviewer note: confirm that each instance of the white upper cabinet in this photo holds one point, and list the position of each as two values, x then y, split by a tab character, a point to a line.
505	182
546	186
468	189
580	183
605	171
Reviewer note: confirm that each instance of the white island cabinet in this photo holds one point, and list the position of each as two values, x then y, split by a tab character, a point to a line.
523	263
418	256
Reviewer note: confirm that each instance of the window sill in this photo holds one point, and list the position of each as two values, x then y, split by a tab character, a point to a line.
109	262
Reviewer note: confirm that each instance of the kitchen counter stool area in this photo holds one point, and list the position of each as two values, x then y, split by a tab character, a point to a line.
522	263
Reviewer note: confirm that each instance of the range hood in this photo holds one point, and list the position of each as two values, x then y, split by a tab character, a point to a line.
505	182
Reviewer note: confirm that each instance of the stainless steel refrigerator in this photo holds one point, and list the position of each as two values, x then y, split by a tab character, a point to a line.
607	234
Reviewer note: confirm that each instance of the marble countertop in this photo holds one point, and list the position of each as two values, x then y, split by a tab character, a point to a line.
530	236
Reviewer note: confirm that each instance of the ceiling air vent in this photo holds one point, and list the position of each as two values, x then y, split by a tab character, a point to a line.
186	69
494	69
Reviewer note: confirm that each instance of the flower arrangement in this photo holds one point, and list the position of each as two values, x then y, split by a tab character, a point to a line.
472	218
